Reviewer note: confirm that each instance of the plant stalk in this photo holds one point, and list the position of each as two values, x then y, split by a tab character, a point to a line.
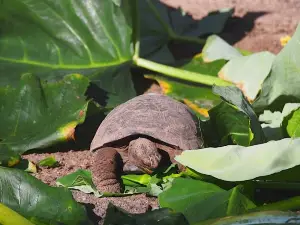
180	74
194	40
136	34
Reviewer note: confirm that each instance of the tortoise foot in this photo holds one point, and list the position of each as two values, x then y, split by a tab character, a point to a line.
106	170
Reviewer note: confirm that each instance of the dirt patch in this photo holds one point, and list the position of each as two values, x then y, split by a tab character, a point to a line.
257	25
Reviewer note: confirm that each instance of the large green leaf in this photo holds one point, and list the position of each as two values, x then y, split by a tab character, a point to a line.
38	202
281	86
231	125
160	24
248	72
234	96
38	114
117	216
191	197
238	163
53	38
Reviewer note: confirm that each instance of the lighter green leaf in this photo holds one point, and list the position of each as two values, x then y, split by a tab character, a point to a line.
216	48
248	72
238	163
282	85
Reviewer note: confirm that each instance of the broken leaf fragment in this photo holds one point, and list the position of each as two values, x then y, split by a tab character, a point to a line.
79	180
48	162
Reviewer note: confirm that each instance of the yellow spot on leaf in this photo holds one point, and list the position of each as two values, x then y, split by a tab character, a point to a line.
166	87
193	106
68	131
78	76
13	162
284	40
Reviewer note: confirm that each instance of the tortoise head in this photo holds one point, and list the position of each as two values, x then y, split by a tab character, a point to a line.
143	153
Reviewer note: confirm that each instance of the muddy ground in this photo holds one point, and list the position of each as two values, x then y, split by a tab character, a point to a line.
257	25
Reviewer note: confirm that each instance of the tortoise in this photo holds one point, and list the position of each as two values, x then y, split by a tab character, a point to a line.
139	136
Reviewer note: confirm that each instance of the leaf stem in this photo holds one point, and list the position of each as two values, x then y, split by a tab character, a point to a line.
195	40
180	74
136	34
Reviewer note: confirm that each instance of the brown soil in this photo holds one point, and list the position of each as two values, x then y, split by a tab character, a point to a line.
257	25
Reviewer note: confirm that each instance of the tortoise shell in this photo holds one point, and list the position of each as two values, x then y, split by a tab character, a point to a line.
154	115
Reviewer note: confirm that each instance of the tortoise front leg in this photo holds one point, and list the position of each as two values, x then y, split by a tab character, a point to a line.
106	170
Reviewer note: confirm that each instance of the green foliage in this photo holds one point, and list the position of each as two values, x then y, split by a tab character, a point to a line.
281	86
235	97
52	53
38	202
160	24
248	72
216	48
231	125
48	162
186	195
38	114
250	162
79	180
